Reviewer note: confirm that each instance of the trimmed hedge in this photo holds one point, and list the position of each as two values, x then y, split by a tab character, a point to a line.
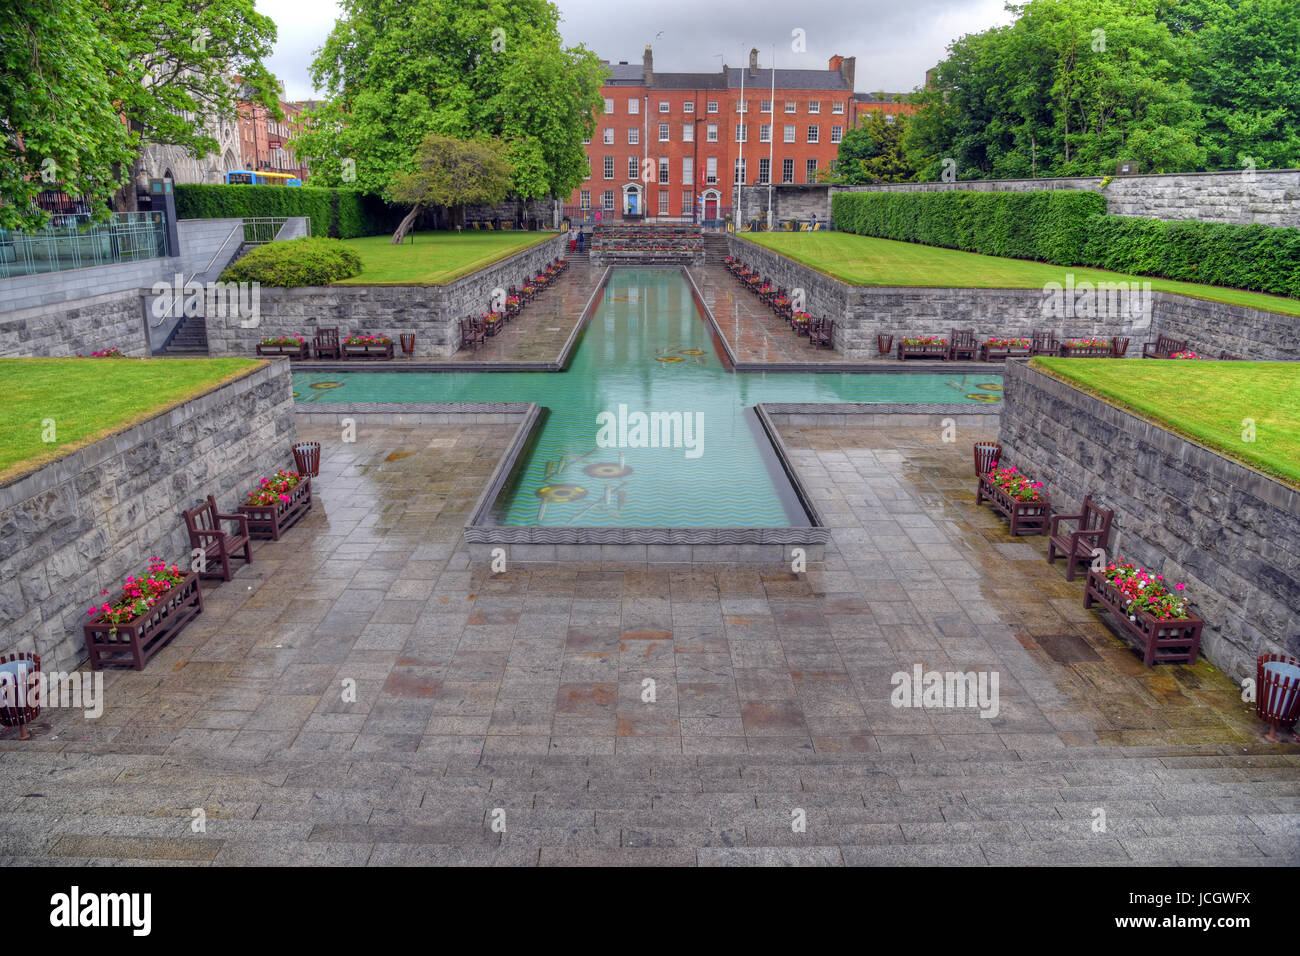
1045	225
337	213
295	262
1071	228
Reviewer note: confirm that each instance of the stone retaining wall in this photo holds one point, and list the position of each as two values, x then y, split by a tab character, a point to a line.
111	320
433	313
81	524
1231	533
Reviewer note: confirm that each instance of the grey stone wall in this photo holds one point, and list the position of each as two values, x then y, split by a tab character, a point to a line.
1268	197
433	313
1211	327
1231	533
111	320
824	297
79	525
789	201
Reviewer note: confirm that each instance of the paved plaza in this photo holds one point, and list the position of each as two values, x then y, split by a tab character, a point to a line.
361	695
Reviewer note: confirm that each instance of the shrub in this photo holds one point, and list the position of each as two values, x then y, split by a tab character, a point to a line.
296	262
338	213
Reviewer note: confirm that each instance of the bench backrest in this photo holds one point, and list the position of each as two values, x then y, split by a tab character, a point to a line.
327	337
1045	340
1096	519
962	338
202	518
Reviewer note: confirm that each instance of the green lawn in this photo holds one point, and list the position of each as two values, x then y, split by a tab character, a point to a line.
866	260
435	258
1204	401
88	399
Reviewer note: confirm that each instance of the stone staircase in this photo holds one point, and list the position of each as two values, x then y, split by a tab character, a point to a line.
191	337
715	247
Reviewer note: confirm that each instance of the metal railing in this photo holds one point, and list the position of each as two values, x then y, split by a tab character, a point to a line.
75	242
259	230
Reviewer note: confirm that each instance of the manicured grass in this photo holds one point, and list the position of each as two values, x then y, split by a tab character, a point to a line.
88	399
866	260
1204	401
435	258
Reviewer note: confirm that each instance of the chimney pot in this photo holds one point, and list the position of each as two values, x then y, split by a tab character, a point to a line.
753	61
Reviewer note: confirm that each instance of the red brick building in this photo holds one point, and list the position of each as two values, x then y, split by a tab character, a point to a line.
262	138
671	146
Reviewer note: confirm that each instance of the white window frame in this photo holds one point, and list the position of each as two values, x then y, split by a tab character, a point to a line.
742	106
790	131
837	133
664	135
609	105
663	202
633	168
764	170
765	106
712	106
711	170
837	107
711	133
742	132
663	106
787	164
633	106
740	171
765	132
665	172
814	106
688	171
608	136
634	135
810	171
688	106
609	167
814	134
607	200
791	106
584	199
688	132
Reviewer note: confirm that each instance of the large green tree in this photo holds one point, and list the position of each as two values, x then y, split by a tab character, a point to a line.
451	172
873	153
396	70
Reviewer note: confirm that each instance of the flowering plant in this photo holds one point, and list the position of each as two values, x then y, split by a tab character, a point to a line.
1007	343
107	353
139	594
1142	591
1185	354
925	340
365	338
275	489
1087	343
764	288
285	340
802	317
490	317
1014	484
781	301
512	300
529	289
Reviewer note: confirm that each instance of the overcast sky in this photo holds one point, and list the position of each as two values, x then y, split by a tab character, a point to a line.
895	41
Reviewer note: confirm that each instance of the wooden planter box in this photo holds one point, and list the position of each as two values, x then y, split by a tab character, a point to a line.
302	351
997	353
1087	351
133	643
384	351
922	351
1026	517
267	521
1161	642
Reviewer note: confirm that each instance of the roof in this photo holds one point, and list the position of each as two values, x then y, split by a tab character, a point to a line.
624	74
789	79
879	97
688	81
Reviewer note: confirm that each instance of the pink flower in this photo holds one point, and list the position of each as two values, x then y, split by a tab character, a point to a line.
1179	587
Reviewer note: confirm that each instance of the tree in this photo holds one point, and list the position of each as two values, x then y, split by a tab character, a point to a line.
177	61
396	70
873	152
58	127
451	172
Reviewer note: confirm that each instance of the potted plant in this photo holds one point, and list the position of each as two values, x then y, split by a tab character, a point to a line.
799	322
491	322
294	346
1141	602
105	353
923	346
277	503
1087	348
994	349
367	345
1186	354
1020	499
150	611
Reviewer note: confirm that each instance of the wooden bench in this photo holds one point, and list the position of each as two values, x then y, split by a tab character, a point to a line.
326	344
821	334
1118	346
471	334
1163	347
1044	343
204	526
1091	531
961	343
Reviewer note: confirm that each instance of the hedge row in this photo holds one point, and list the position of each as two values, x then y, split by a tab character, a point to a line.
1046	225
295	262
1071	228
337	213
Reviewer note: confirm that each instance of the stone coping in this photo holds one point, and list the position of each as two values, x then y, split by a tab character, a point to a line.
21	487
1166	442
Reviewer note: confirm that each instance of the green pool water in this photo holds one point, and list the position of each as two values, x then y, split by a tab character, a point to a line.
647	349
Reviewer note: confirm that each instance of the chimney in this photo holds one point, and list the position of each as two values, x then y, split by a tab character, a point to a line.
836	60
929	77
753	61
848	67
647	66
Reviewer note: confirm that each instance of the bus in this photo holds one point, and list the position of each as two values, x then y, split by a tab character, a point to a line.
246	177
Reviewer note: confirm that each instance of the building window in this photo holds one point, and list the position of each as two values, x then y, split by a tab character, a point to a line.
742	106
633	135
742	133
663	173
814	106
589	165
607	200
587	141
711	134
688	106
585	201
663	202
633	167
663	106
837	107
609	167
787	170
742	164
789	106
609	105
810	171
713	106
837	133
688	203
889	119
663	132
609	136
711	170
688	171
789	134
764	170
688	132
765	106
813	133
633	106
764	132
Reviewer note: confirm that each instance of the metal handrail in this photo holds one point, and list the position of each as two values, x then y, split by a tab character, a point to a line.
176	295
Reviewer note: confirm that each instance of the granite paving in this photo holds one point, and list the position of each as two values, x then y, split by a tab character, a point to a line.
362	694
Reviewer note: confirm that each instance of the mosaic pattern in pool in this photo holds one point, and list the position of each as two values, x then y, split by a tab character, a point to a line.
699	458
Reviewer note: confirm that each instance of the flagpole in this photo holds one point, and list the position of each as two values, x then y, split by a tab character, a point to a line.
771	140
737	177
